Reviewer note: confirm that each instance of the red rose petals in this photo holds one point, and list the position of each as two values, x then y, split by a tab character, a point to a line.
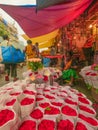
57	103
27	101
46	125
65	125
45	78
5	116
15	94
50	97
90	120
70	102
28	125
37	114
84	108
28	92
44	105
39	99
83	100
11	102
80	126
69	111
52	110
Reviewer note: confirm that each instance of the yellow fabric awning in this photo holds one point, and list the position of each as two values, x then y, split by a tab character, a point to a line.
44	40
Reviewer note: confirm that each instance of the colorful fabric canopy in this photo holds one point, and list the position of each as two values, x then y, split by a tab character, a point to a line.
46	20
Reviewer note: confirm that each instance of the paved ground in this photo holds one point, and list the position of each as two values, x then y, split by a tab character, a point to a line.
20	70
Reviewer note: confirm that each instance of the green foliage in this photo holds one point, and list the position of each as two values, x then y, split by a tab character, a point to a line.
3	29
35	65
89	86
96	68
97	91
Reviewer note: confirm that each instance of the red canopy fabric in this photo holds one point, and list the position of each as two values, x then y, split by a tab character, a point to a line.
46	20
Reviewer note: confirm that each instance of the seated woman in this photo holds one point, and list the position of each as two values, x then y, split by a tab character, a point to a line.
69	73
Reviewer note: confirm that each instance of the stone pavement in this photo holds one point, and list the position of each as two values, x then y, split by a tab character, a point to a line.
20	70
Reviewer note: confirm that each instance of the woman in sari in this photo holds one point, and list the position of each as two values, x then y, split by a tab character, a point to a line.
69	73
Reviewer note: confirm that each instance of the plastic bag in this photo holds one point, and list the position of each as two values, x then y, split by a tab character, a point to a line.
12	55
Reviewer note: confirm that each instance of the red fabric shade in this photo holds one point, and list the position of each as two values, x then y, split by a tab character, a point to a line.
47	20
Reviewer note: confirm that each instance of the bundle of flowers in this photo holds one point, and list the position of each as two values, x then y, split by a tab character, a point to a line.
15	92
35	64
91	121
87	110
30	90
71	102
46	124
12	103
44	104
39	98
27	104
37	113
84	101
7	119
69	111
65	125
52	110
80	125
28	125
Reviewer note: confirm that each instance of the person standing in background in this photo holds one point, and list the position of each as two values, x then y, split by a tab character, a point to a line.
9	67
30	50
37	49
53	53
87	49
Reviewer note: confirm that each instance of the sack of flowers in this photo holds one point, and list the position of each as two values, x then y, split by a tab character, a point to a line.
57	102
84	101
27	104
12	103
39	98
71	102
15	93
37	113
80	125
94	79
44	104
47	123
28	124
69	112
8	119
90	121
52	111
87	110
30	90
65	124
